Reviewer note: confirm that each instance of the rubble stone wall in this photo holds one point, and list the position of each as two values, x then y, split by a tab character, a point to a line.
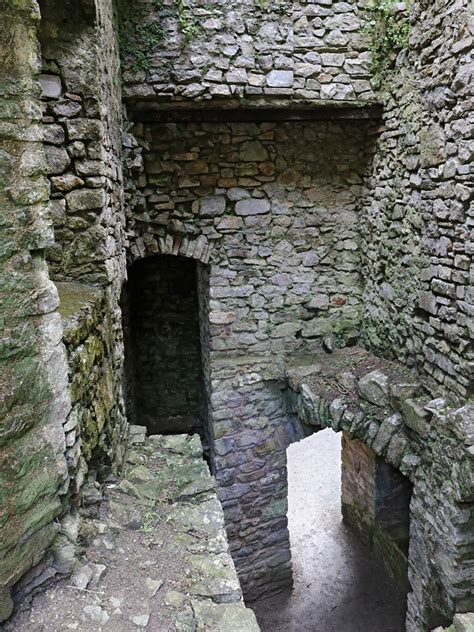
418	214
77	127
33	383
273	210
307	235
428	443
257	50
82	122
375	501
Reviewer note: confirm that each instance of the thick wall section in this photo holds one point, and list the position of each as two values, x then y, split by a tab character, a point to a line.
418	219
33	383
273	209
256	50
78	126
82	129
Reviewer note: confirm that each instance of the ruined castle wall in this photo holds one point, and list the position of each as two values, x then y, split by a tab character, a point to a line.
82	122
258	50
79	124
274	207
272	210
418	220
82	125
381	411
375	502
33	384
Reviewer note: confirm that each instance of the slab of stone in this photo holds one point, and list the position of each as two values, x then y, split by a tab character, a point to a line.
233	617
82	577
374	388
388	429
153	585
140	620
280	79
50	86
416	416
213	206
252	207
96	614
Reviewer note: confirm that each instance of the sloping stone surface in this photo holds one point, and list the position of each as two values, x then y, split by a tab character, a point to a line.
155	554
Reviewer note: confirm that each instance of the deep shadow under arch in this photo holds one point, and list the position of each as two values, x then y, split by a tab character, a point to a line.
164	375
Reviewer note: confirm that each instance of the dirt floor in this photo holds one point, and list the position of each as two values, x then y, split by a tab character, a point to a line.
338	587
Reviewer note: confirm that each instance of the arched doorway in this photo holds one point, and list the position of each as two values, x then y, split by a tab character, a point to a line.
163	350
348	512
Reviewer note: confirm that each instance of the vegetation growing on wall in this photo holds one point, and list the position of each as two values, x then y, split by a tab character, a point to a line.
388	28
283	7
139	41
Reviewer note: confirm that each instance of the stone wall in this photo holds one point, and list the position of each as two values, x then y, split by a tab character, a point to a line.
95	431
428	442
273	209
256	50
313	233
418	296
81	106
358	486
165	345
82	121
375	501
33	384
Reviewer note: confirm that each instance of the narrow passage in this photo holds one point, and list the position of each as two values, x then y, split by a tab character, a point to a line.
338	586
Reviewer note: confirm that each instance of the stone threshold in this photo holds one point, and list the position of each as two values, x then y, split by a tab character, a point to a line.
154	552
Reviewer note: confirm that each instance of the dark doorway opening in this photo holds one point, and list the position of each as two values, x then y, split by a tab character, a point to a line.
164	384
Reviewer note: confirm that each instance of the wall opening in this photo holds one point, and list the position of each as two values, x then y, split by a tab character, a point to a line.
376	504
164	383
338	582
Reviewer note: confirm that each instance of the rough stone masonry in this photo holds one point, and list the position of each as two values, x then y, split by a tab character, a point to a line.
312	161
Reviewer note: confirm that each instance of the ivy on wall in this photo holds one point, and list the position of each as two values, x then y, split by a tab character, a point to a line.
388	29
138	42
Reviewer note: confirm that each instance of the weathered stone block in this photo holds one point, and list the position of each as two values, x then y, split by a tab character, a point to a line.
374	388
85	200
50	86
85	129
416	416
280	79
252	207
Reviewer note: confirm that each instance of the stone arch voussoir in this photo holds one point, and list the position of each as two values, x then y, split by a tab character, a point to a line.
199	247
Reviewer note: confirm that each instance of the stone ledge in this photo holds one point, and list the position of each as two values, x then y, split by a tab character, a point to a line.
379	402
79	307
251	110
155	551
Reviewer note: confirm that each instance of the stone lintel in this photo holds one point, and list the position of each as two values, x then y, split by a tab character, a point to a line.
248	111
